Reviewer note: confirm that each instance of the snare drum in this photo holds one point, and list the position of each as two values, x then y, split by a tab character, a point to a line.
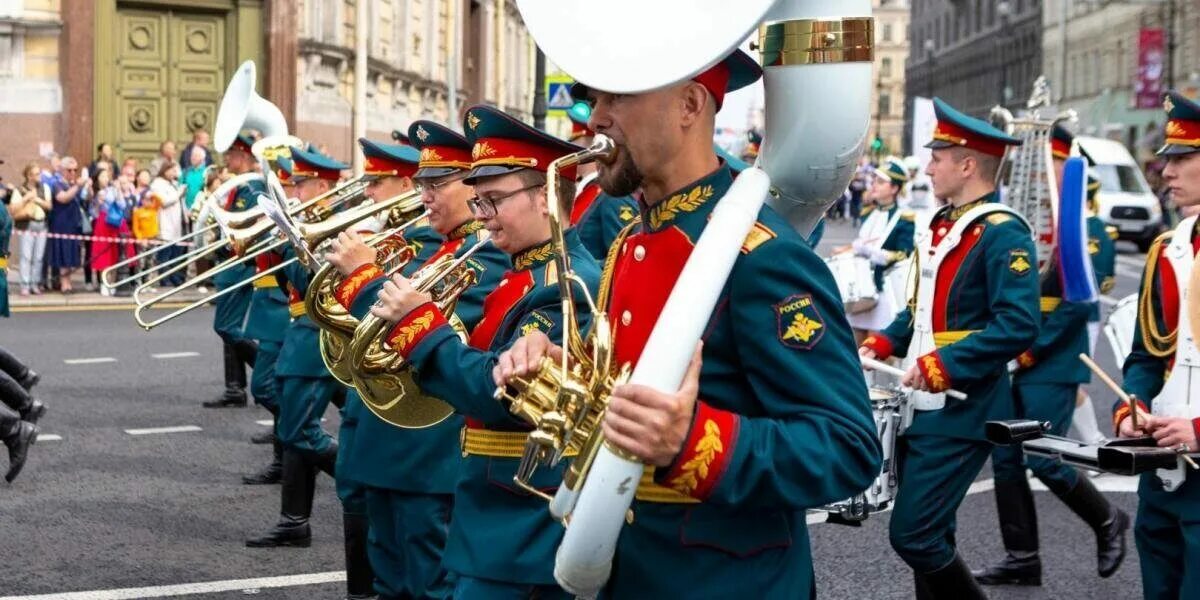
856	281
886	405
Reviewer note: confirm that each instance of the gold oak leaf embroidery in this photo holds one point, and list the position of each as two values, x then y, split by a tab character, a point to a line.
933	372
405	335
695	469
351	286
429	154
802	328
482	150
532	256
680	203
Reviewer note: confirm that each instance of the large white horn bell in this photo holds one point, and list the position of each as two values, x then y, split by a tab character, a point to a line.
242	108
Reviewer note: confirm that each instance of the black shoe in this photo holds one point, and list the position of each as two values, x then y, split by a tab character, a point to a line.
31	379
287	532
18	443
360	578
953	581
226	402
35	412
1109	523
235	387
266	437
268	475
1011	571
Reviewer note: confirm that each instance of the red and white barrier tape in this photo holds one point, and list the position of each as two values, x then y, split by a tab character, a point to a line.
93	238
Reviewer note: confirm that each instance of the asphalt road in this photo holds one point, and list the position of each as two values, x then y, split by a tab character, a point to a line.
101	509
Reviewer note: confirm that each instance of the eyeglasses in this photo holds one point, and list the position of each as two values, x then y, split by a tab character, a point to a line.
70	170
435	187
486	207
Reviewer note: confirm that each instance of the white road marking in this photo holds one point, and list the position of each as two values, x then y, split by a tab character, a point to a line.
90	361
153	430
1132	261
49	437
175	354
265	422
1128	272
248	586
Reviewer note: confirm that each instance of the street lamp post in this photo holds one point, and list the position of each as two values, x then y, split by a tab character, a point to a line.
1003	9
929	59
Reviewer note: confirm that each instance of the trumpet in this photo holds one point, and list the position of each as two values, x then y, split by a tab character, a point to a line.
335	321
313	239
381	376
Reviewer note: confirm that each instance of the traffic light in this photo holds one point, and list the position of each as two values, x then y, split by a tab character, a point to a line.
877	144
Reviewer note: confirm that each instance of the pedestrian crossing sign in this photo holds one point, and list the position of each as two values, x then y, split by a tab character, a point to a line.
558	97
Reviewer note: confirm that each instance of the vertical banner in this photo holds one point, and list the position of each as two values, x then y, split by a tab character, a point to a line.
923	123
1148	79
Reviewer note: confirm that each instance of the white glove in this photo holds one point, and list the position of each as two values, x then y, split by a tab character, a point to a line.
878	257
860	248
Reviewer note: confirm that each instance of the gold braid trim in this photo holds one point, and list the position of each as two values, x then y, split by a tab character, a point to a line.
610	263
1157	343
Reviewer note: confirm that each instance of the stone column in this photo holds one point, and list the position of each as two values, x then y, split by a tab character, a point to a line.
283	26
77	71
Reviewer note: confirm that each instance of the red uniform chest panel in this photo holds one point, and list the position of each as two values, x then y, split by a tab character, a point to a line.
511	289
950	267
230	200
447	247
265	261
645	272
590	192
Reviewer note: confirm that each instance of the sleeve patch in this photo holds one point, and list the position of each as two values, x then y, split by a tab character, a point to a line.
536	321
1018	261
800	325
759	235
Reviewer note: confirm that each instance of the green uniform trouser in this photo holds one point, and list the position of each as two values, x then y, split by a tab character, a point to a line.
408	535
1167	533
1046	402
263	384
302	403
471	588
935	474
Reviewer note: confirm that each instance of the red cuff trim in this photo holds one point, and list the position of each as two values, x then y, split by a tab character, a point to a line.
880	344
934	372
1026	359
1123	412
413	328
353	283
1196	427
706	452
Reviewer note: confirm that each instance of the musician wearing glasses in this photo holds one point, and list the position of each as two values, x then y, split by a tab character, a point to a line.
1045	385
1161	375
760	430
502	539
409	475
976	309
240	351
596	216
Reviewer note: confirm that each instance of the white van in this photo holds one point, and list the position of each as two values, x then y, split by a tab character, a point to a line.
1125	199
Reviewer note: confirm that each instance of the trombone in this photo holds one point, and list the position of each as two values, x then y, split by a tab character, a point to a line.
313	236
196	234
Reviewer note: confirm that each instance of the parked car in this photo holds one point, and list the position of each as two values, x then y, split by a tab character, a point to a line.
1126	201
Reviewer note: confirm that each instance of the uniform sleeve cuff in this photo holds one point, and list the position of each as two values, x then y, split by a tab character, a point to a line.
1026	359
1196	427
353	283
705	454
934	371
880	344
414	327
1122	411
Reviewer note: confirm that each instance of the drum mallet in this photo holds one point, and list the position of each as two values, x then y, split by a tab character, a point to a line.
899	374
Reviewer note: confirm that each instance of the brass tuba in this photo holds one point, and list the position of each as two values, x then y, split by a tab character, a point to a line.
381	376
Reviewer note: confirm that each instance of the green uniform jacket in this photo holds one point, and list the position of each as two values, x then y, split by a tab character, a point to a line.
987	285
603	221
1062	337
899	243
300	355
244	197
1103	250
782	423
1149	363
426	460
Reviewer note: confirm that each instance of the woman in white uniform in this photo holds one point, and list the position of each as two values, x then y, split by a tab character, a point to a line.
885	238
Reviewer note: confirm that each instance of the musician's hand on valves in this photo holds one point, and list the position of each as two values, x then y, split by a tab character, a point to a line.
398	298
349	252
1173	432
914	380
524	356
650	424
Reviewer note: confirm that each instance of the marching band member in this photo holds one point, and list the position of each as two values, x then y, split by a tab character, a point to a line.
597	217
885	238
1102	248
1045	386
239	350
759	430
502	539
976	309
410	474
1158	373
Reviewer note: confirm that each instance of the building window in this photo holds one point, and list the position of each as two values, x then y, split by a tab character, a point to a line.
323	20
885	67
887	32
8	55
885	105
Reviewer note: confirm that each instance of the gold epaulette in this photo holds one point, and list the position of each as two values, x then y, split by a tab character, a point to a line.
1156	342
998	218
908	215
759	235
1112	232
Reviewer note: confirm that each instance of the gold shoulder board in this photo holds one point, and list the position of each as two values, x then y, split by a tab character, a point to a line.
759	234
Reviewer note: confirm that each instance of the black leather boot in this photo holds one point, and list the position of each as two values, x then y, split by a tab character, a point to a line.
30	379
360	578
1018	527
1109	523
272	473
18	398
246	351
18	435
326	461
266	437
235	383
953	582
295	506
18	370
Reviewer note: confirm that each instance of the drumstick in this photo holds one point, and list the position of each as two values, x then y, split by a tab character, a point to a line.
899	374
1126	398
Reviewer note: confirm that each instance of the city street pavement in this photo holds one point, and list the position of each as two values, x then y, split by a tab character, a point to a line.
99	508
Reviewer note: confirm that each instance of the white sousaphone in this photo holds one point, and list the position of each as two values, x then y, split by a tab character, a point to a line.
818	59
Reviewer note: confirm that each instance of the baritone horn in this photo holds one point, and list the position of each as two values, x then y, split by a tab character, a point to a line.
817	57
382	377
